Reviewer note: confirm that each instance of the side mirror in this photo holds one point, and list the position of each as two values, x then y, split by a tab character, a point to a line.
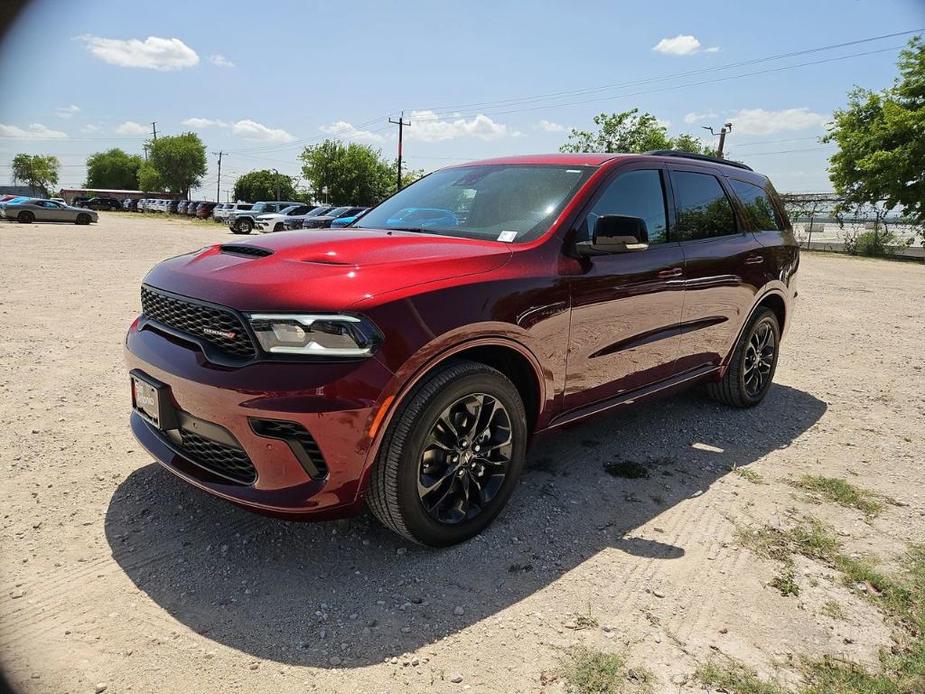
616	233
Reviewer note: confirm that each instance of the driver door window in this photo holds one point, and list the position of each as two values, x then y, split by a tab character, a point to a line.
638	193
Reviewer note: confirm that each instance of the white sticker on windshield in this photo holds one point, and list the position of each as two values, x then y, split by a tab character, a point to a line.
507	236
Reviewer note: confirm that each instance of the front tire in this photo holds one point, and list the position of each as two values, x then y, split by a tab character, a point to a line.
451	457
244	226
83	219
26	217
754	361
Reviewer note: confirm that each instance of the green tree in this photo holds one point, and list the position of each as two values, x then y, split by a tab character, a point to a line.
631	132
113	169
408	176
179	162
881	142
38	171
353	174
262	185
148	178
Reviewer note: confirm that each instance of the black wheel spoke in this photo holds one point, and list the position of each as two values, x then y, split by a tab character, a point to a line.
758	360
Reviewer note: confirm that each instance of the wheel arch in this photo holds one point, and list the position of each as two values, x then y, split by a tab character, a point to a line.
512	358
773	299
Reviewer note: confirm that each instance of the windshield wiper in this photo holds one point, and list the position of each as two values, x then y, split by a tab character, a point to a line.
417	230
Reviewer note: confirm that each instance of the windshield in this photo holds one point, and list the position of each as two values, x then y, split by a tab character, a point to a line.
318	211
336	212
514	203
259	207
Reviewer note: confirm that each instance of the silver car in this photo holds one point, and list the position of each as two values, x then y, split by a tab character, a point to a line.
37	210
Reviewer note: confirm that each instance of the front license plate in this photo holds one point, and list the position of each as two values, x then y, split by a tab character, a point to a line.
147	400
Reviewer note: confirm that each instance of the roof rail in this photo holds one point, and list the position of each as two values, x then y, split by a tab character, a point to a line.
701	157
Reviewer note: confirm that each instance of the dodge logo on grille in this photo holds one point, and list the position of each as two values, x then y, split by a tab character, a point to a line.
215	332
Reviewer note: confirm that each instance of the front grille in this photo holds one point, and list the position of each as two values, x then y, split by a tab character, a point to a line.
214	325
300	442
227	461
242	249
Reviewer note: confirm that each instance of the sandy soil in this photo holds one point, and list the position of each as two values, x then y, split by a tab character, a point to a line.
115	574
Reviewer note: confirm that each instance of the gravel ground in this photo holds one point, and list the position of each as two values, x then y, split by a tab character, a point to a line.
115	574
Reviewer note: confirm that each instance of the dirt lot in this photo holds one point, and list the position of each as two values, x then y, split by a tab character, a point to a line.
115	574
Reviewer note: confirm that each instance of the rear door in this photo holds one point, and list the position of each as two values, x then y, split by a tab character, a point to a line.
626	307
721	259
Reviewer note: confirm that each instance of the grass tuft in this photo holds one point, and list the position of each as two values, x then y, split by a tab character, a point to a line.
833	610
841	492
593	672
747	474
738	678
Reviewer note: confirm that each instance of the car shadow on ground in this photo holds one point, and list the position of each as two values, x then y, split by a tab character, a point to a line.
349	593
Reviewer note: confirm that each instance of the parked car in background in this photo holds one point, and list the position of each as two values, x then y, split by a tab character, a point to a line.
276	221
132	204
8	197
204	211
181	206
243	221
295	221
218	210
80	200
103	203
192	207
233	208
172	206
578	284
324	221
41	210
14	199
348	219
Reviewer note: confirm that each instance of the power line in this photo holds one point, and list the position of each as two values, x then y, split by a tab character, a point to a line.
448	110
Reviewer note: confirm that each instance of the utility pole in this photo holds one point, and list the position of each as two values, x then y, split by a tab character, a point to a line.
154	127
401	124
277	182
722	137
218	186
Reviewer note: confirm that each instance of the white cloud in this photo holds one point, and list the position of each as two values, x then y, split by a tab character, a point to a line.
253	130
66	111
427	126
692	117
682	44
130	127
550	127
200	123
90	128
220	60
154	53
35	131
757	121
347	131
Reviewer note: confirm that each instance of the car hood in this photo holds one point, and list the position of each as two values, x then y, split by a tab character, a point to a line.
323	270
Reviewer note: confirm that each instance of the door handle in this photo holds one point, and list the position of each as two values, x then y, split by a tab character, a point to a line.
670	273
754	259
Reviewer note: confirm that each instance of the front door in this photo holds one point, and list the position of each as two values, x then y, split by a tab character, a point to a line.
722	262
626	307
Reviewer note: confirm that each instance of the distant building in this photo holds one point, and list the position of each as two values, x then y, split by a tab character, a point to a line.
15	190
70	193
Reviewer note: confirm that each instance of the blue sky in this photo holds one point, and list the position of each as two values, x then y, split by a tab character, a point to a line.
477	79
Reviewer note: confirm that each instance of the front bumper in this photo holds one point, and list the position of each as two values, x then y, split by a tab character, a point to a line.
334	402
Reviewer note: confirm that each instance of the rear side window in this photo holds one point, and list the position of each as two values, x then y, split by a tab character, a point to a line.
635	194
704	211
758	207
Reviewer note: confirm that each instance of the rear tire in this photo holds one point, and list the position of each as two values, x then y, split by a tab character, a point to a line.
465	494
83	219
754	361
25	217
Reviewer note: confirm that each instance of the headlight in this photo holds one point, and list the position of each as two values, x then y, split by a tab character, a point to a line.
317	335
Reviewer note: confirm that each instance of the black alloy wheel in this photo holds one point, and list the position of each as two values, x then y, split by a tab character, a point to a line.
451	456
465	459
751	368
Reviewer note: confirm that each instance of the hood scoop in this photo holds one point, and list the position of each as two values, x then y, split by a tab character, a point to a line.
243	249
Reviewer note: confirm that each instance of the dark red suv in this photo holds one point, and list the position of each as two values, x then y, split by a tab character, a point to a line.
407	365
